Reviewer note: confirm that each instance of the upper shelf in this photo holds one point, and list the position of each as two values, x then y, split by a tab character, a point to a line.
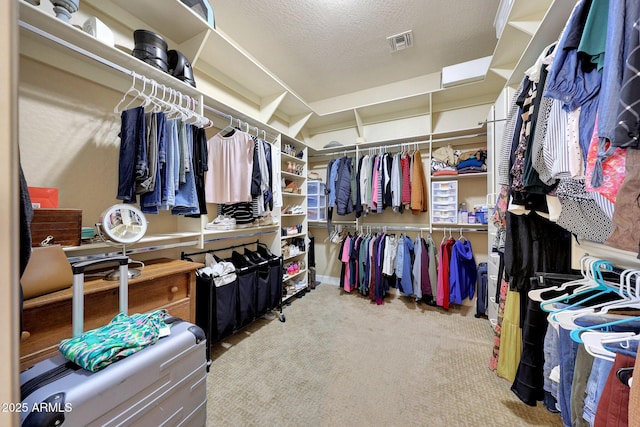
230	79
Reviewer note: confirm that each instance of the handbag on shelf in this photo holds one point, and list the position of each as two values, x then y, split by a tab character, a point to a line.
48	270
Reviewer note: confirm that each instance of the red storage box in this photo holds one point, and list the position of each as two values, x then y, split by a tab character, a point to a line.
43	197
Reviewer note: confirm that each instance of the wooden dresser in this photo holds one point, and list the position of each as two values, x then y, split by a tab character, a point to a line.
164	283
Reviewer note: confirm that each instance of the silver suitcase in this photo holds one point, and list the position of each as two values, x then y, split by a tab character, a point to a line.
161	385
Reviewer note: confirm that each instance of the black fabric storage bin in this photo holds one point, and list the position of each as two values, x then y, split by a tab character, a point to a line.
275	291
263	288
247	283
216	308
226	308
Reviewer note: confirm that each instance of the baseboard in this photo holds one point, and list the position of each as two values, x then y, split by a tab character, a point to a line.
328	280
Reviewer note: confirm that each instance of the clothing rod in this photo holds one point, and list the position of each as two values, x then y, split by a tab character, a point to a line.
408	144
393	227
237	236
183	255
463	229
123	70
491	121
240	122
132	251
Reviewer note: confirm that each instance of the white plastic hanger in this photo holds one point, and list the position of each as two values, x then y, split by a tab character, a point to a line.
594	342
538	294
588	283
566	318
132	91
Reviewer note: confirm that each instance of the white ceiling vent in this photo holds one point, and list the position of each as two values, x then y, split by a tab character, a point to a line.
401	41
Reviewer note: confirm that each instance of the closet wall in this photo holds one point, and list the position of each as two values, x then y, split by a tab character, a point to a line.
9	214
472	190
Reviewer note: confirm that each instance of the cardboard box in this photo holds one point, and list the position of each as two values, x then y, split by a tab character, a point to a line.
63	224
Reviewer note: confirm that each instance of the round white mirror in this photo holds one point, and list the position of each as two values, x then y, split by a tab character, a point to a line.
121	225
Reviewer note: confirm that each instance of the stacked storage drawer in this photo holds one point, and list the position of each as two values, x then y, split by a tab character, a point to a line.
316	201
444	202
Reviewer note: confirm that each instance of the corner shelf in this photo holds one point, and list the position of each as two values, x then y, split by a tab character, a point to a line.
290	236
293	176
293	256
287	277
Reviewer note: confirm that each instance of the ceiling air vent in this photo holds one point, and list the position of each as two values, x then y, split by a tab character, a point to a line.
401	41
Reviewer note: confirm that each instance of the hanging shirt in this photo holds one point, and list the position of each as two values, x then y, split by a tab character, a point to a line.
406	178
230	168
417	267
396	183
463	272
390	254
403	266
365	182
425	281
374	184
433	266
418	186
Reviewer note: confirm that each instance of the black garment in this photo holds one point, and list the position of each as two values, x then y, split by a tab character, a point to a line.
387	200
343	188
531	178
358	206
256	176
534	244
26	215
326	192
200	156
529	380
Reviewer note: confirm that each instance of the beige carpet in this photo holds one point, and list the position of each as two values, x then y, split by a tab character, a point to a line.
339	360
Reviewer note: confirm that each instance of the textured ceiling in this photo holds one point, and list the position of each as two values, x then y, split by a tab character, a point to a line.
327	48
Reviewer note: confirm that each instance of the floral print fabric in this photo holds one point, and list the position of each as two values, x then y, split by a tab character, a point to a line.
123	336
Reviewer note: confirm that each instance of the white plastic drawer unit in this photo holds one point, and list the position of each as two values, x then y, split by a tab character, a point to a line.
317	214
444	202
315	188
317	201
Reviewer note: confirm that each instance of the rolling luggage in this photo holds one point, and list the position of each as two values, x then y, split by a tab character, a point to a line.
482	292
162	384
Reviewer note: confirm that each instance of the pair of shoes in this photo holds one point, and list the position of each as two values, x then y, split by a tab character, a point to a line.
264	220
293	269
222	222
292	230
291	187
295	210
293	250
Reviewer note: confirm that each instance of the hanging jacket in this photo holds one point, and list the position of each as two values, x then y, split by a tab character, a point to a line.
358	187
462	272
418	186
343	187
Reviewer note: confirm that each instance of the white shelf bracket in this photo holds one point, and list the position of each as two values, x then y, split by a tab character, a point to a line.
269	105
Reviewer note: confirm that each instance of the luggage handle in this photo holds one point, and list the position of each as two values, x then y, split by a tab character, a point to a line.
78	268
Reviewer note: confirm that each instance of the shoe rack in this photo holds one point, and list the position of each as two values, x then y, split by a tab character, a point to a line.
293	215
